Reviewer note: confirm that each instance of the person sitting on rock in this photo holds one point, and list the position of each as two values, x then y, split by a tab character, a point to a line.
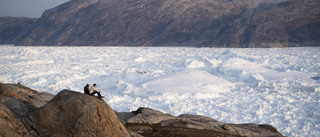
94	90
86	89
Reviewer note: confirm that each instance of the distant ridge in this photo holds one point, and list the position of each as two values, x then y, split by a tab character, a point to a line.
12	28
196	23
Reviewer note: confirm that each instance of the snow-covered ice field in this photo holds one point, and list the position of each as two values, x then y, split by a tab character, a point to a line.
277	86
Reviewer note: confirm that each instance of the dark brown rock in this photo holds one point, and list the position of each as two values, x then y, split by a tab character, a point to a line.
13	106
144	115
150	122
227	127
249	130
25	95
10	125
199	118
124	116
14	98
23	113
40	99
72	113
156	130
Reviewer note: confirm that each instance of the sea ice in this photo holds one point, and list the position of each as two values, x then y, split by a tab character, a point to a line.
277	86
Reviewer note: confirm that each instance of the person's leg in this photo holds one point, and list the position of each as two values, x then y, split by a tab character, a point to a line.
99	95
94	92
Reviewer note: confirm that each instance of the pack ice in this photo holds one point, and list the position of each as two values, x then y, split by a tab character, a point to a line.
277	86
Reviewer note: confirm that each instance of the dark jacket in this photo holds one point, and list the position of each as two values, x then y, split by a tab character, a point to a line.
86	90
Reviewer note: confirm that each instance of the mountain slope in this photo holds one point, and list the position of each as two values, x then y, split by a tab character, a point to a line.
200	23
11	28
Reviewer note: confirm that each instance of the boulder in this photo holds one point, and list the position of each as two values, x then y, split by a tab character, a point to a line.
14	105
12	96
72	113
150	122
182	122
124	116
198	118
26	112
18	107
28	95
144	115
10	125
251	129
206	123
40	99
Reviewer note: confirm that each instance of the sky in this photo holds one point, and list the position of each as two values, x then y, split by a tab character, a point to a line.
27	8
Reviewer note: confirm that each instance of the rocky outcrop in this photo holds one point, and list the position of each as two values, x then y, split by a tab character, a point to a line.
149	122
17	101
75	114
12	28
10	126
144	115
71	113
21	100
197	23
